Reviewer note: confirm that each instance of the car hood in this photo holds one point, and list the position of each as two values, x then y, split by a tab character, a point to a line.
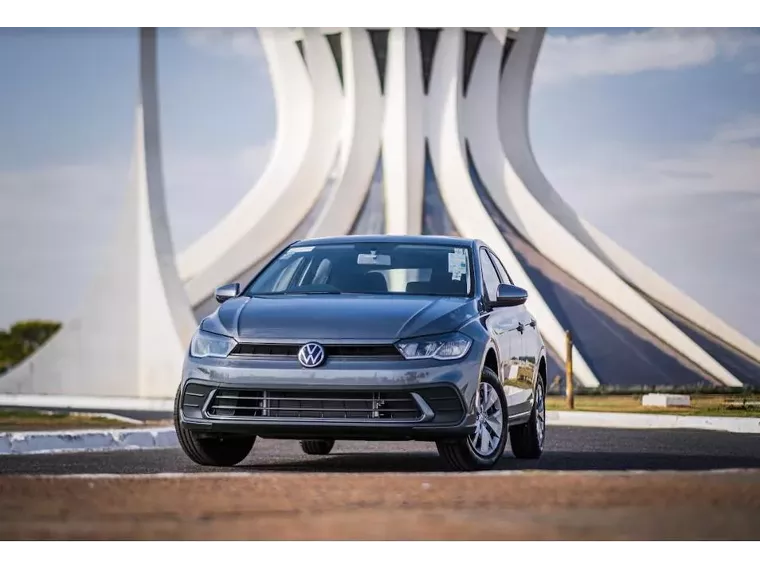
339	317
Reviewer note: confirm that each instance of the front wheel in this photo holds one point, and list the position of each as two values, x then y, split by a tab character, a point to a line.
483	448
208	450
527	440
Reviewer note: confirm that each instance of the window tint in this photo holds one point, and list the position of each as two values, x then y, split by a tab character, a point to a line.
505	278
491	279
368	268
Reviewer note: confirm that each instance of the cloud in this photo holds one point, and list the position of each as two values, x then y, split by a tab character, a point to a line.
226	42
615	175
689	211
728	162
564	58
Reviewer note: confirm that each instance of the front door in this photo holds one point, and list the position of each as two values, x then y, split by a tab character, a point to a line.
503	322
522	356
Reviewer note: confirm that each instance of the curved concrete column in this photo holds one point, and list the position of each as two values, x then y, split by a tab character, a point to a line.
532	205
516	87
460	197
310	112
135	322
360	136
652	284
403	135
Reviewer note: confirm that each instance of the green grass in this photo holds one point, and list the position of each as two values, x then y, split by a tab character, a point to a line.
31	420
701	405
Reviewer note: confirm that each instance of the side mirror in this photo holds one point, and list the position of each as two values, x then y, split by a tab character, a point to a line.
226	292
510	295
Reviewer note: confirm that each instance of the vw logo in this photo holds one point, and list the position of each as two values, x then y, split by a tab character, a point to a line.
311	355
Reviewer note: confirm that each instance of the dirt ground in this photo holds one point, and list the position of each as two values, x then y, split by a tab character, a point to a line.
523	506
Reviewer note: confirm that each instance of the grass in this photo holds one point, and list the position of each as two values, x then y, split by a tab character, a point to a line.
701	405
31	420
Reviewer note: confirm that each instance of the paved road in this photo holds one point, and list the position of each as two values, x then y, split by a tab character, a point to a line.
285	499
568	448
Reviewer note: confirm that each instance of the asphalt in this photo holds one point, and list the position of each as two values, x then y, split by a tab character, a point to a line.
677	485
567	448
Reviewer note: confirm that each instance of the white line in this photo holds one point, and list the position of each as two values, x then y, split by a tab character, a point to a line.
494	473
652	421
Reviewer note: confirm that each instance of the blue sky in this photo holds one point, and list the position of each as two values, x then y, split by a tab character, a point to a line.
652	134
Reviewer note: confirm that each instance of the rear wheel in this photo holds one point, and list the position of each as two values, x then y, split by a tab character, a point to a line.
318	447
207	450
527	440
482	449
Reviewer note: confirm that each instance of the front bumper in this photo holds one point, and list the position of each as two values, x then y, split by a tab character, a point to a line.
365	400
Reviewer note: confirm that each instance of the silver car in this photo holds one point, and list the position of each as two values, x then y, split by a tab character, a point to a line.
368	338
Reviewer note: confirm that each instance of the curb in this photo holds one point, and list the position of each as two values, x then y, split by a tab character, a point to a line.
647	421
91	440
86	402
137	439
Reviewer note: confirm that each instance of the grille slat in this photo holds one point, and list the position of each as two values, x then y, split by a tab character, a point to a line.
378	406
290	351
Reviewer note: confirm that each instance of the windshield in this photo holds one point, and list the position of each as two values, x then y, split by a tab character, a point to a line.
367	268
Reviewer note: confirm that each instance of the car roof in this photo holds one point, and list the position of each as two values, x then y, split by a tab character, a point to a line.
406	239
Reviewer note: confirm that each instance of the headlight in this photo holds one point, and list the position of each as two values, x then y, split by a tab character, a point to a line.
448	347
205	344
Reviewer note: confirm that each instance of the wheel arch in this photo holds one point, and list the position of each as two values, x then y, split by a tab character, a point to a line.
491	359
542	370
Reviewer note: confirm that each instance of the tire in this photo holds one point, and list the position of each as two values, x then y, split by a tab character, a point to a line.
465	453
218	450
527	440
318	447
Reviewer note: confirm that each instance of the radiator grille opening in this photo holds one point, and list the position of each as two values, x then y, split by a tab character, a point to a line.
290	351
349	405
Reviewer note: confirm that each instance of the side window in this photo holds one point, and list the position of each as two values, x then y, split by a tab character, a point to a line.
505	278
491	279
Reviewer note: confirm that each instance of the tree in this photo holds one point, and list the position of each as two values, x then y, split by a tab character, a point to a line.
22	339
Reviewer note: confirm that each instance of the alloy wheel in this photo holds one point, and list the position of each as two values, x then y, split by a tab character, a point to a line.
489	423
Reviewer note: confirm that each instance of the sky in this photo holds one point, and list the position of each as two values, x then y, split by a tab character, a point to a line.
653	135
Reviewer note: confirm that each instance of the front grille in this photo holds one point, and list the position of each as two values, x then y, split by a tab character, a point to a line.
290	351
349	405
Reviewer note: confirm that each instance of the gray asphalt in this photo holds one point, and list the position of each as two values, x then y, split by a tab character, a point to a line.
567	448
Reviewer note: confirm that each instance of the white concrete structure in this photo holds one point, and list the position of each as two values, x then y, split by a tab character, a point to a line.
135	322
461	97
437	121
666	400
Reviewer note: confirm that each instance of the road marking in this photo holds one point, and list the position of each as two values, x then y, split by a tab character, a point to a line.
494	473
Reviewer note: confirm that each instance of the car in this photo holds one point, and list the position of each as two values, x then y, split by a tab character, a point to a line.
422	338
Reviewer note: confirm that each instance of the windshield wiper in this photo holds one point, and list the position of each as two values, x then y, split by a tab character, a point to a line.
317	292
295	292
